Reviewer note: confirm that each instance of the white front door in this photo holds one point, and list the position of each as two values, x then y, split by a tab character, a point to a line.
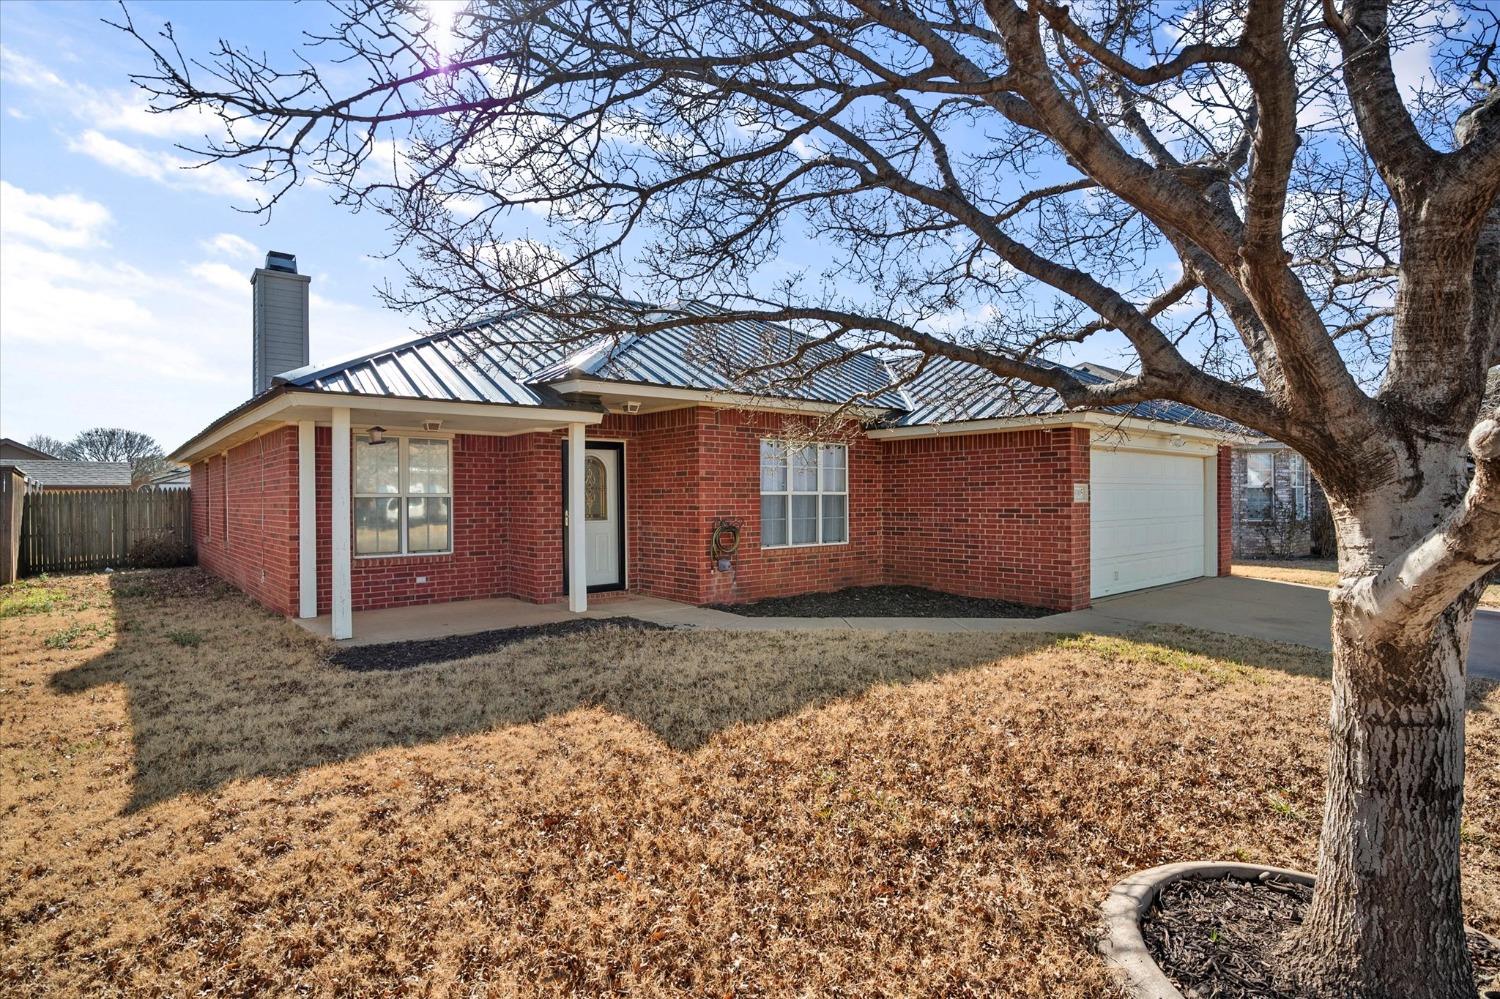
1147	519
604	521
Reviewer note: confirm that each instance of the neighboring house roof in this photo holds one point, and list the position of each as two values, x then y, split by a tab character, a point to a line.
15	449
61	473
514	359
173	477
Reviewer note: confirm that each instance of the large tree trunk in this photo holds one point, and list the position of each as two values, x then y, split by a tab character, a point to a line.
1386	919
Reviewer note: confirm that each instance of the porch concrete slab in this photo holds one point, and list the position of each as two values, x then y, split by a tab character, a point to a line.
465	617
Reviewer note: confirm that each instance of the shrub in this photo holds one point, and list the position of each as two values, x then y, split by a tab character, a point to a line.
160	552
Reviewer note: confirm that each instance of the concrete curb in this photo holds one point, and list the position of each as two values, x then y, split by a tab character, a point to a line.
1123	947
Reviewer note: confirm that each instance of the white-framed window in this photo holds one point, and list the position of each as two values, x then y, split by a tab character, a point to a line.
804	494
403	501
1299	485
1260	484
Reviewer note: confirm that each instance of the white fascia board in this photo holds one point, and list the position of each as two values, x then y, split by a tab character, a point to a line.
289	406
1103	421
709	397
499	410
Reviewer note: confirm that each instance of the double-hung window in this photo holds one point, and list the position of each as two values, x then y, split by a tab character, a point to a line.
403	503
1260	483
804	494
1299	486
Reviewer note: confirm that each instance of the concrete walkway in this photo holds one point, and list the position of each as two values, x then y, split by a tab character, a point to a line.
1256	608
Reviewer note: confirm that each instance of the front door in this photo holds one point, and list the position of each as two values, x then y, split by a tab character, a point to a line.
604	516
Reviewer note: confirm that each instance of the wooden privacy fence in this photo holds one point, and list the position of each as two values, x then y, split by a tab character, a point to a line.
76	531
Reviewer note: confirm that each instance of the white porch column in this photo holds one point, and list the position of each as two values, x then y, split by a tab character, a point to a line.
578	579
307	520
343	606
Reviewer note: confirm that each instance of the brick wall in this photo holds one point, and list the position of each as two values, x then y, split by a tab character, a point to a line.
477	566
987	515
990	515
729	446
1249	538
245	517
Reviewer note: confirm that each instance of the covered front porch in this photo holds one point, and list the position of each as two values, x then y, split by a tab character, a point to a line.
338	554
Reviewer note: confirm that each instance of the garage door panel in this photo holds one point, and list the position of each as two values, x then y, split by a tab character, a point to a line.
1147	520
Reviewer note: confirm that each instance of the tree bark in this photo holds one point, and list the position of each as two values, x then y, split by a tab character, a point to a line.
1386	919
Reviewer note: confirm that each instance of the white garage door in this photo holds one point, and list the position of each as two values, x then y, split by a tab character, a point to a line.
1146	518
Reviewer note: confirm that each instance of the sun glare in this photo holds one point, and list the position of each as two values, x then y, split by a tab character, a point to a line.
440	16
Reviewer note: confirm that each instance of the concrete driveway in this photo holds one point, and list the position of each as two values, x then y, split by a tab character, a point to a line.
1281	612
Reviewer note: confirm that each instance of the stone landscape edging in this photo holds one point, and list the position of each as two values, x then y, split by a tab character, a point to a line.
1123	947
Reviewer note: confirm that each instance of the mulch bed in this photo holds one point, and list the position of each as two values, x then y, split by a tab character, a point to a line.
1218	937
883	601
405	655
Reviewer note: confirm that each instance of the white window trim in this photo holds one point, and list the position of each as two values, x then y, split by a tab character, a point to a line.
789	493
402	466
1245	495
1301	508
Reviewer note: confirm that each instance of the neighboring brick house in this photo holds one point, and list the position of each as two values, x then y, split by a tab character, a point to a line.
486	461
1275	502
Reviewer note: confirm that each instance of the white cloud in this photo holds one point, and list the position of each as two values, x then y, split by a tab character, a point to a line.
24	71
219	275
163	347
59	221
227	244
123	110
162	167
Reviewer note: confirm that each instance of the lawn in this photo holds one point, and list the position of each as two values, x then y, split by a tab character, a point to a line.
192	800
1320	572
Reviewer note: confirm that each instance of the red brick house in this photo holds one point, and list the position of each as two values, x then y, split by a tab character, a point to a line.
487	461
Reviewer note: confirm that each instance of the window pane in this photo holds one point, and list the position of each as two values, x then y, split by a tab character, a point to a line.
834	458
375	467
805	470
1259	470
427	468
772	467
595	490
377	526
1258	503
804	520
427	524
772	521
835	519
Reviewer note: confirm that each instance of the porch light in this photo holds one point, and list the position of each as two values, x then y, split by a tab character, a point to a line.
377	435
633	406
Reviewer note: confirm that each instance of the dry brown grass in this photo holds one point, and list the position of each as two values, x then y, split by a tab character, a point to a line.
191	800
1320	572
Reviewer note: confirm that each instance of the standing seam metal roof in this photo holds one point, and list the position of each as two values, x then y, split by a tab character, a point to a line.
510	359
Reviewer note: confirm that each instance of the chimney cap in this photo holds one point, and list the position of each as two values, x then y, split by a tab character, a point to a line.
276	260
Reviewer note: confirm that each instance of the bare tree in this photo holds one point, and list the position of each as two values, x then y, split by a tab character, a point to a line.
49	445
1241	193
117	444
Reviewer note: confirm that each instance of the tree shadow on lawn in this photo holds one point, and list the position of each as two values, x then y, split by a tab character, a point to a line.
219	689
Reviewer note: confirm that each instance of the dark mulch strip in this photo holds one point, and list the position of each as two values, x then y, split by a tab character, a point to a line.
883	601
405	655
1217	938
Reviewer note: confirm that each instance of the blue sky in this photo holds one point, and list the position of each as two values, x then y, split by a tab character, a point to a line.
124	291
124	280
